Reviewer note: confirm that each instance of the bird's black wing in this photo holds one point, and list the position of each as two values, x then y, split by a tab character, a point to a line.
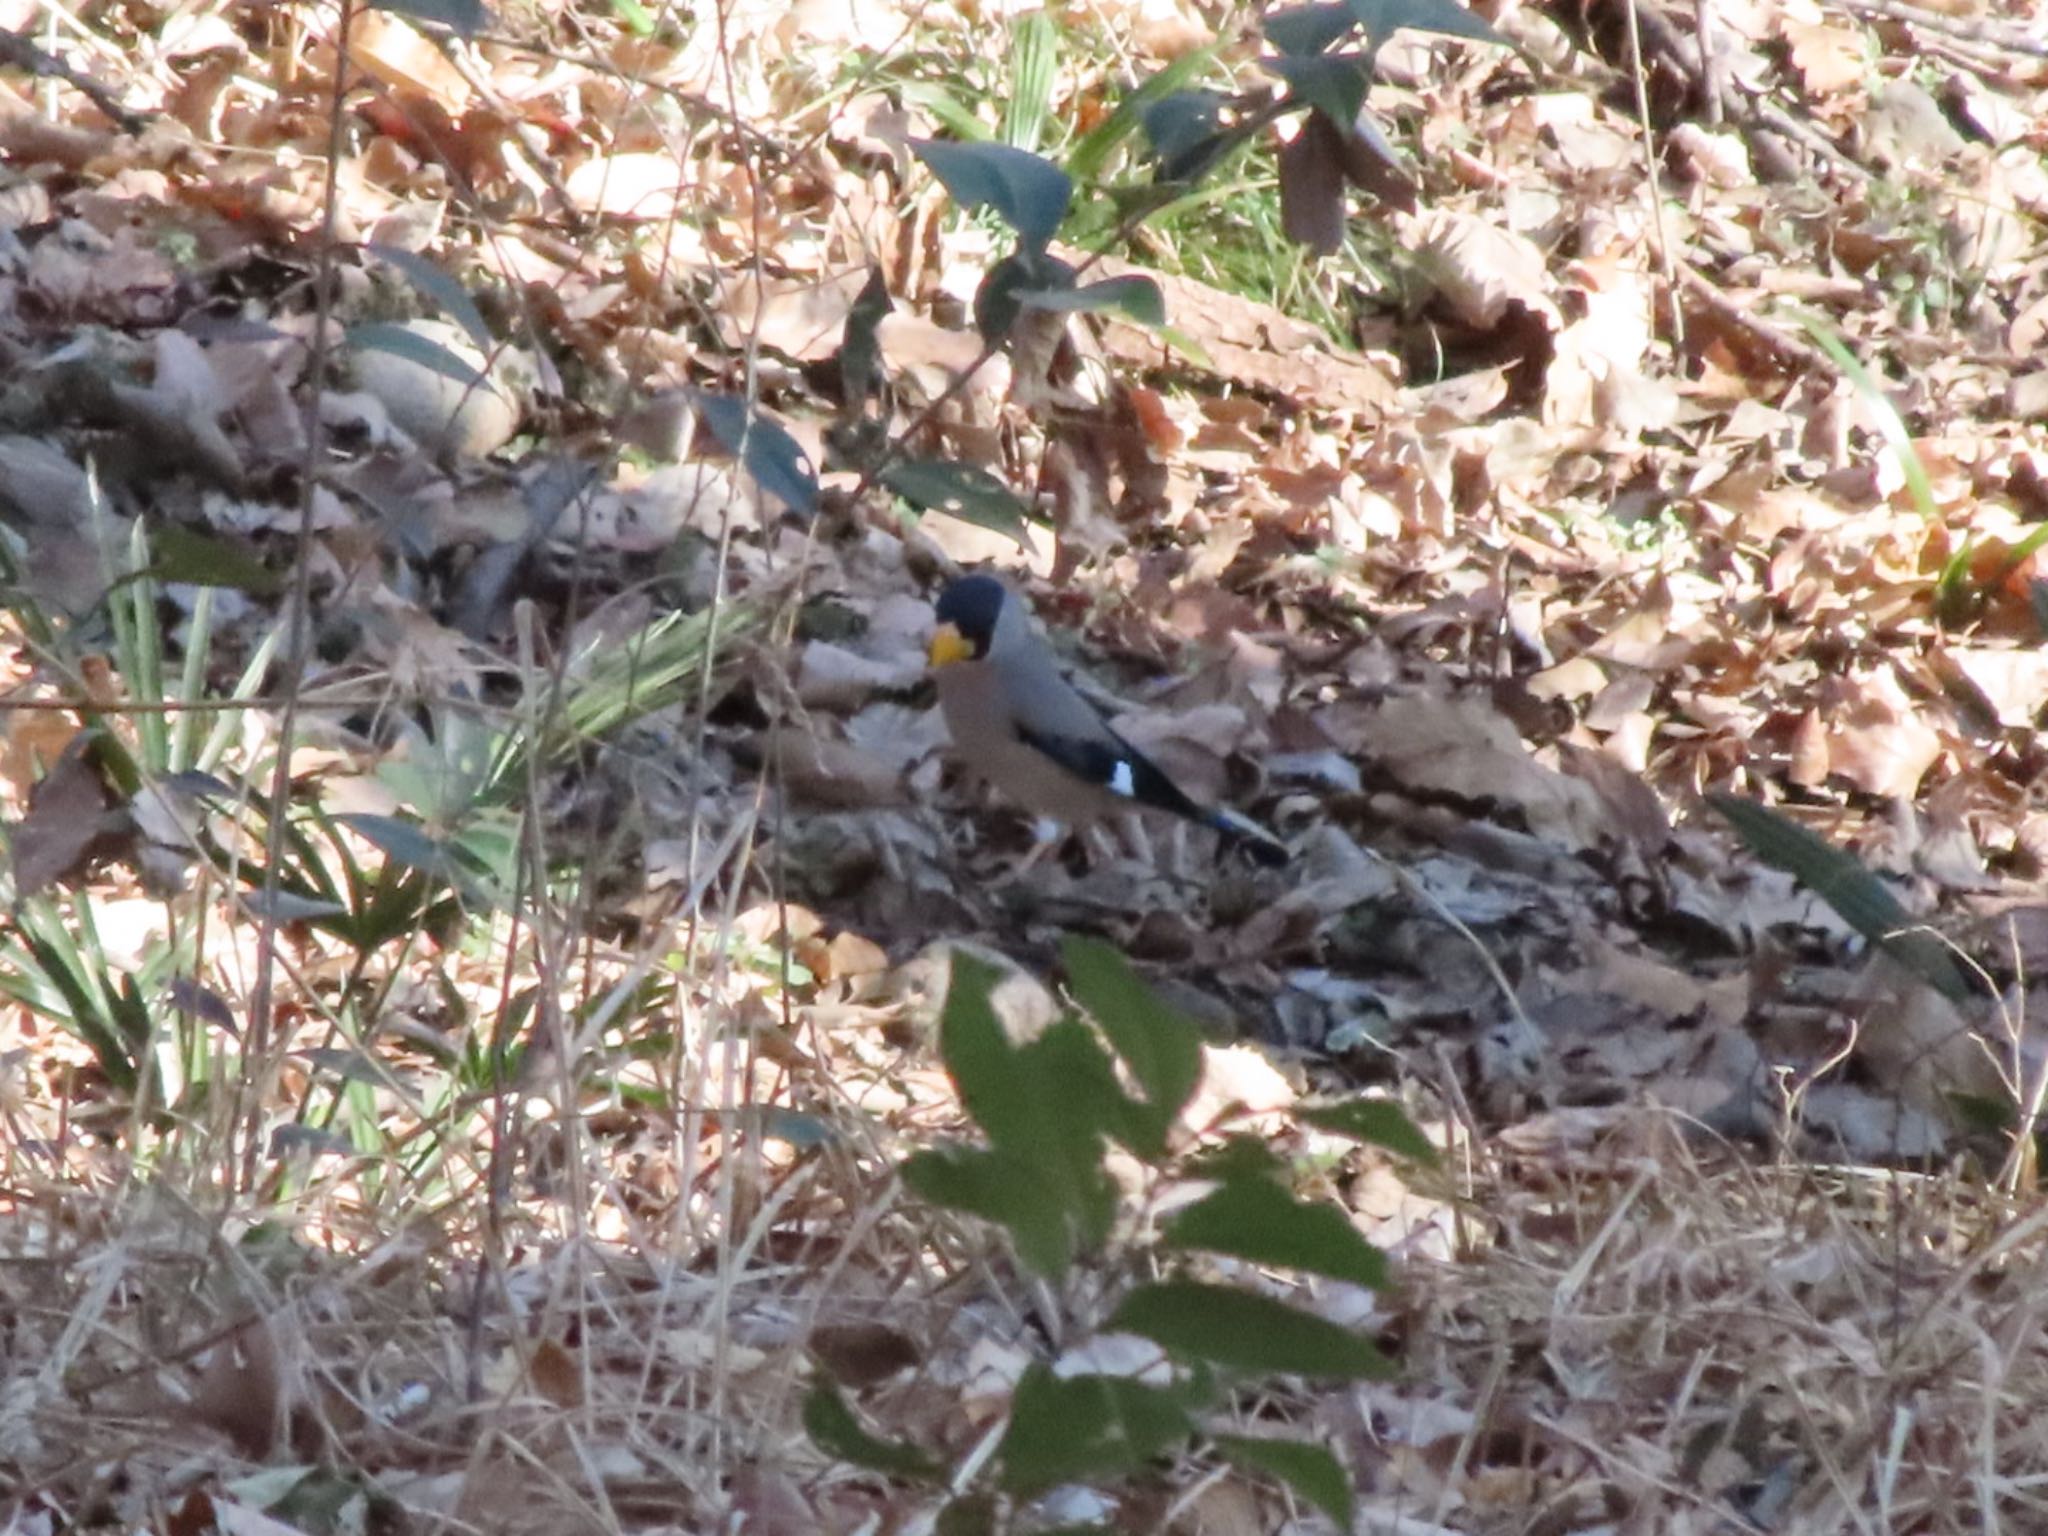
1111	763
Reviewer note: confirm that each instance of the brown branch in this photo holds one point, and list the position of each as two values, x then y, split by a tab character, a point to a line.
20	50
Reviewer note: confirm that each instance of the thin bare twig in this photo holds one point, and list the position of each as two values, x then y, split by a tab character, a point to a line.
23	52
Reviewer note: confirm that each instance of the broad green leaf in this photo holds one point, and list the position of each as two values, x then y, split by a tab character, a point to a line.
187	555
404	842
465	18
1242	1332
1091	152
1135	296
974	1513
1310	1470
1242	1156
977	1051
1383	18
1176	122
960	490
1027	192
1162	1049
1256	1219
1012	1193
1335	82
764	448
1863	900
837	1431
1082	1427
380	336
1303	30
634	17
1380	1122
1000	297
449	295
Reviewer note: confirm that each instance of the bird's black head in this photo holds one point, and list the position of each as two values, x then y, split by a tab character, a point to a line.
967	612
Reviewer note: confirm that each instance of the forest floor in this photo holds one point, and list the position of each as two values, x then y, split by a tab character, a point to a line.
1614	568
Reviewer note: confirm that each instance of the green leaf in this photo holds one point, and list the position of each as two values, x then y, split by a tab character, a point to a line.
1013	1194
764	448
186	555
1242	1332
465	18
1083	1427
860	351
1380	1122
1034	55
1181	119
1028	192
1383	18
1091	152
449	295
1162	1049
837	1431
1256	1219
1863	900
1000	297
1310	1470
379	336
1335	82
1303	30
1135	296
977	1051
402	841
960	490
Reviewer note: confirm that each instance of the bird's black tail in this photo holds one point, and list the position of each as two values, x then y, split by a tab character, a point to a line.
1250	836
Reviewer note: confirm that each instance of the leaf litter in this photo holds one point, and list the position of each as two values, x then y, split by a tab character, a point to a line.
1474	599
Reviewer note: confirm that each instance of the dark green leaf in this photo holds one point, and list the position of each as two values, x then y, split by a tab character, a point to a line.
185	555
449	295
1383	18
860	350
977	1051
378	336
1082	1427
1381	1122
764	448
1864	901
284	906
835	1430
1239	1157
1242	1332
960	490
1302	30
971	1514
1011	1193
402	841
1335	82
1174	124
1028	192
465	18
1090	153
1135	296
1162	1049
1310	1470
1256	1219
1000	297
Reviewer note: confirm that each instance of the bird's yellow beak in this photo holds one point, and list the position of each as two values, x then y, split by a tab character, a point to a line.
949	646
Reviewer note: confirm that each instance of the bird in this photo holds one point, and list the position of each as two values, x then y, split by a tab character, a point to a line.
1019	723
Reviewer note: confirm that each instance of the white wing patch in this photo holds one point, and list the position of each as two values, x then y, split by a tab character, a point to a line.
1121	781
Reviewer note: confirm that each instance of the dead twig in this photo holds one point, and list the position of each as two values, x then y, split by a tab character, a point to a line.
20	50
